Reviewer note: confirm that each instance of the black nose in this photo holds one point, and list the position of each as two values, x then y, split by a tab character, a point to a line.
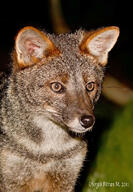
87	121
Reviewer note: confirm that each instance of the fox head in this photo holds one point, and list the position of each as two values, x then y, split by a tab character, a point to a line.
60	76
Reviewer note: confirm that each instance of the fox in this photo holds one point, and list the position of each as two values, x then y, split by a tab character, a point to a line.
47	106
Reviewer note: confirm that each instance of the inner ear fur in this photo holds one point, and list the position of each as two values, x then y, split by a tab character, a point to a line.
31	45
99	42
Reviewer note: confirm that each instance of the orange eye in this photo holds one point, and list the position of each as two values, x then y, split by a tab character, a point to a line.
90	86
57	87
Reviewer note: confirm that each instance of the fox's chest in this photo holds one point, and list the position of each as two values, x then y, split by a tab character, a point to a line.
33	176
39	183
45	166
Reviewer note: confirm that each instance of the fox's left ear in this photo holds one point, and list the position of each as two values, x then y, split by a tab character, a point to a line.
98	43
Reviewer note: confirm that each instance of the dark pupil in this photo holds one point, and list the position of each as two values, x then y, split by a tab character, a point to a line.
56	86
90	86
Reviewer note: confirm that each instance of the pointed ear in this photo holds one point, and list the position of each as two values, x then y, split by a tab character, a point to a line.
98	43
31	46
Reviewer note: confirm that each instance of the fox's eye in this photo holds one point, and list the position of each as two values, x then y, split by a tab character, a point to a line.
90	86
57	87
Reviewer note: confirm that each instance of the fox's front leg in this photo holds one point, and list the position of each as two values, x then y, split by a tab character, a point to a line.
52	182
64	182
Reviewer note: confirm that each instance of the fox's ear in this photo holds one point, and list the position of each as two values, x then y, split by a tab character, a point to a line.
31	46
98	43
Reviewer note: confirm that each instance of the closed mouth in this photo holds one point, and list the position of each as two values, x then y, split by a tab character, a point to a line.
80	130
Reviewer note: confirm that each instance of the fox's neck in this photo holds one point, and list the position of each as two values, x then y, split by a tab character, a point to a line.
55	138
37	134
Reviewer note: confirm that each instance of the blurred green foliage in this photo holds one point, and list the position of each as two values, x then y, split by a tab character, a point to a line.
112	170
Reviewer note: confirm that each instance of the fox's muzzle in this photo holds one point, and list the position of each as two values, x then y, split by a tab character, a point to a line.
78	113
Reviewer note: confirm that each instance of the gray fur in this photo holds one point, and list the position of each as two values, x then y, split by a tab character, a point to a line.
36	143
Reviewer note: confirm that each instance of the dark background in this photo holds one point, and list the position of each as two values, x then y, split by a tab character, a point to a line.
78	14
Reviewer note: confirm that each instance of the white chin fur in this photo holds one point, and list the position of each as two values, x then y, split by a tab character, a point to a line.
76	127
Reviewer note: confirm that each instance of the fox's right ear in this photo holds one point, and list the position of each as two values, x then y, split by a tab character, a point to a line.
31	46
100	42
